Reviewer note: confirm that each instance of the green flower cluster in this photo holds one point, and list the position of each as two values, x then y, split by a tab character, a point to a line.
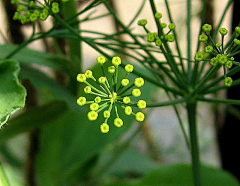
223	55
110	94
159	37
31	11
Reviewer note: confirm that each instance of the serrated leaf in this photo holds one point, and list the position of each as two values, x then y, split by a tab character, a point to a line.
12	93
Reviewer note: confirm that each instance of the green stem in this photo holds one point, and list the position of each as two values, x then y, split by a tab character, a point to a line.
166	103
196	167
3	177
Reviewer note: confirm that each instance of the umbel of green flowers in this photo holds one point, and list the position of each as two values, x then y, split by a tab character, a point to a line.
222	55
161	36
31	11
110	95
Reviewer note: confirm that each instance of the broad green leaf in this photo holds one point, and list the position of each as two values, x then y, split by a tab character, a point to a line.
32	119
12	93
29	56
181	175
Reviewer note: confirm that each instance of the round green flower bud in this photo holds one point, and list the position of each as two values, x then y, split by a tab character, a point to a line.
129	68
16	16
171	26
128	110
126	100
55	4
24	20
31	4
87	90
142	22
163	25
199	56
139	116
102	80
158	42
125	82
106	114
55	9
151	37
170	37
116	61
81	78
94	106
208	49
141	104
33	17
228	64
20	8
223	31
207	28
222	59
139	82
98	99
111	69
36	12
101	60
14	2
202	38
88	74
237	30
118	122
104	128
228	81
214	62
136	92
218	45
232	58
92	115
28	14
81	101
43	16
236	42
158	15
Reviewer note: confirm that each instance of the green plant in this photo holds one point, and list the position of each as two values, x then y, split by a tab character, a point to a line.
185	80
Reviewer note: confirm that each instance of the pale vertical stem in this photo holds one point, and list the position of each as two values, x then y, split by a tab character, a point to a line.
189	35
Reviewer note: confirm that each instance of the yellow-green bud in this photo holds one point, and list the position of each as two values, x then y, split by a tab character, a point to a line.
81	101
118	122
101	60
136	92
87	89
125	82
129	68
128	110
139	116
139	82
116	61
92	115
141	104
126	100
104	128
94	106
81	78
